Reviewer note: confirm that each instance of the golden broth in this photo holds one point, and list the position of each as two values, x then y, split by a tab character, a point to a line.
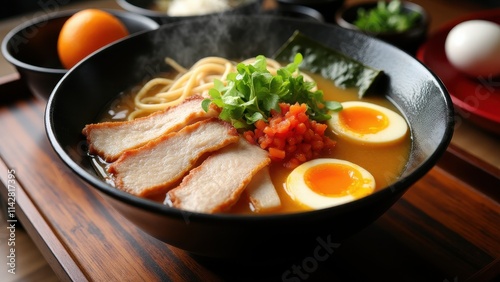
385	163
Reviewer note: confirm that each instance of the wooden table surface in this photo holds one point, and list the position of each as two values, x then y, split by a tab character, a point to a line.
445	228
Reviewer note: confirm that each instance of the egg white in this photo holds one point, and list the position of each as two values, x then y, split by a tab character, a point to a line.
473	47
300	192
393	133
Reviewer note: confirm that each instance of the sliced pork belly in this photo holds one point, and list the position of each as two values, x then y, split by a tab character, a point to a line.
218	182
110	139
262	193
154	167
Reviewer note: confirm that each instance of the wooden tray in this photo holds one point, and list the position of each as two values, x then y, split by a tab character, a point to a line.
445	228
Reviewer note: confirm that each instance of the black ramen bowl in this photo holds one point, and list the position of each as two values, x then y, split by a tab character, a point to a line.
296	12
32	47
327	8
145	8
408	40
86	90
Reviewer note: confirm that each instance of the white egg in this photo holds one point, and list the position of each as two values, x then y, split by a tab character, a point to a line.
322	183
473	47
368	124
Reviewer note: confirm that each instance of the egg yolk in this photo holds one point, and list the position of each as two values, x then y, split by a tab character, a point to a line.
363	120
333	180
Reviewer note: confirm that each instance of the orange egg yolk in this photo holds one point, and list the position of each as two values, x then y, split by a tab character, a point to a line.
333	180
363	120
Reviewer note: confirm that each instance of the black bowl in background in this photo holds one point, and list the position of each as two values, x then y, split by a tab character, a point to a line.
327	8
408	41
32	47
296	12
143	7
87	88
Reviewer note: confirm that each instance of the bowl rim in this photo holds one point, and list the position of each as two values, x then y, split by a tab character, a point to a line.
309	2
35	21
126	5
136	9
45	18
423	23
101	186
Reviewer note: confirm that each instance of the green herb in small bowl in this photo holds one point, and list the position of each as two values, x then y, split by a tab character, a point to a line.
386	17
404	24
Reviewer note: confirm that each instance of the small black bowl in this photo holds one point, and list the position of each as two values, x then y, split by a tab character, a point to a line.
296	12
143	7
327	8
32	47
87	88
408	41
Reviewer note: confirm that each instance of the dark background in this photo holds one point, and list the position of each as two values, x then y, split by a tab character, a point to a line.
10	8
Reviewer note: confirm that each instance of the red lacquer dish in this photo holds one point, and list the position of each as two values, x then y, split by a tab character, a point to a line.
475	99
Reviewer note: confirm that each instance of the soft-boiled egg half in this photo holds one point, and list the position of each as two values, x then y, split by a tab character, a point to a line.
322	183
368	123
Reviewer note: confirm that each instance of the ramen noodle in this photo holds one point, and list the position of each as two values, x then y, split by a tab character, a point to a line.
161	93
376	164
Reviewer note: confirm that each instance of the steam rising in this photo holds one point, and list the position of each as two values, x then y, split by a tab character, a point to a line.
230	36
